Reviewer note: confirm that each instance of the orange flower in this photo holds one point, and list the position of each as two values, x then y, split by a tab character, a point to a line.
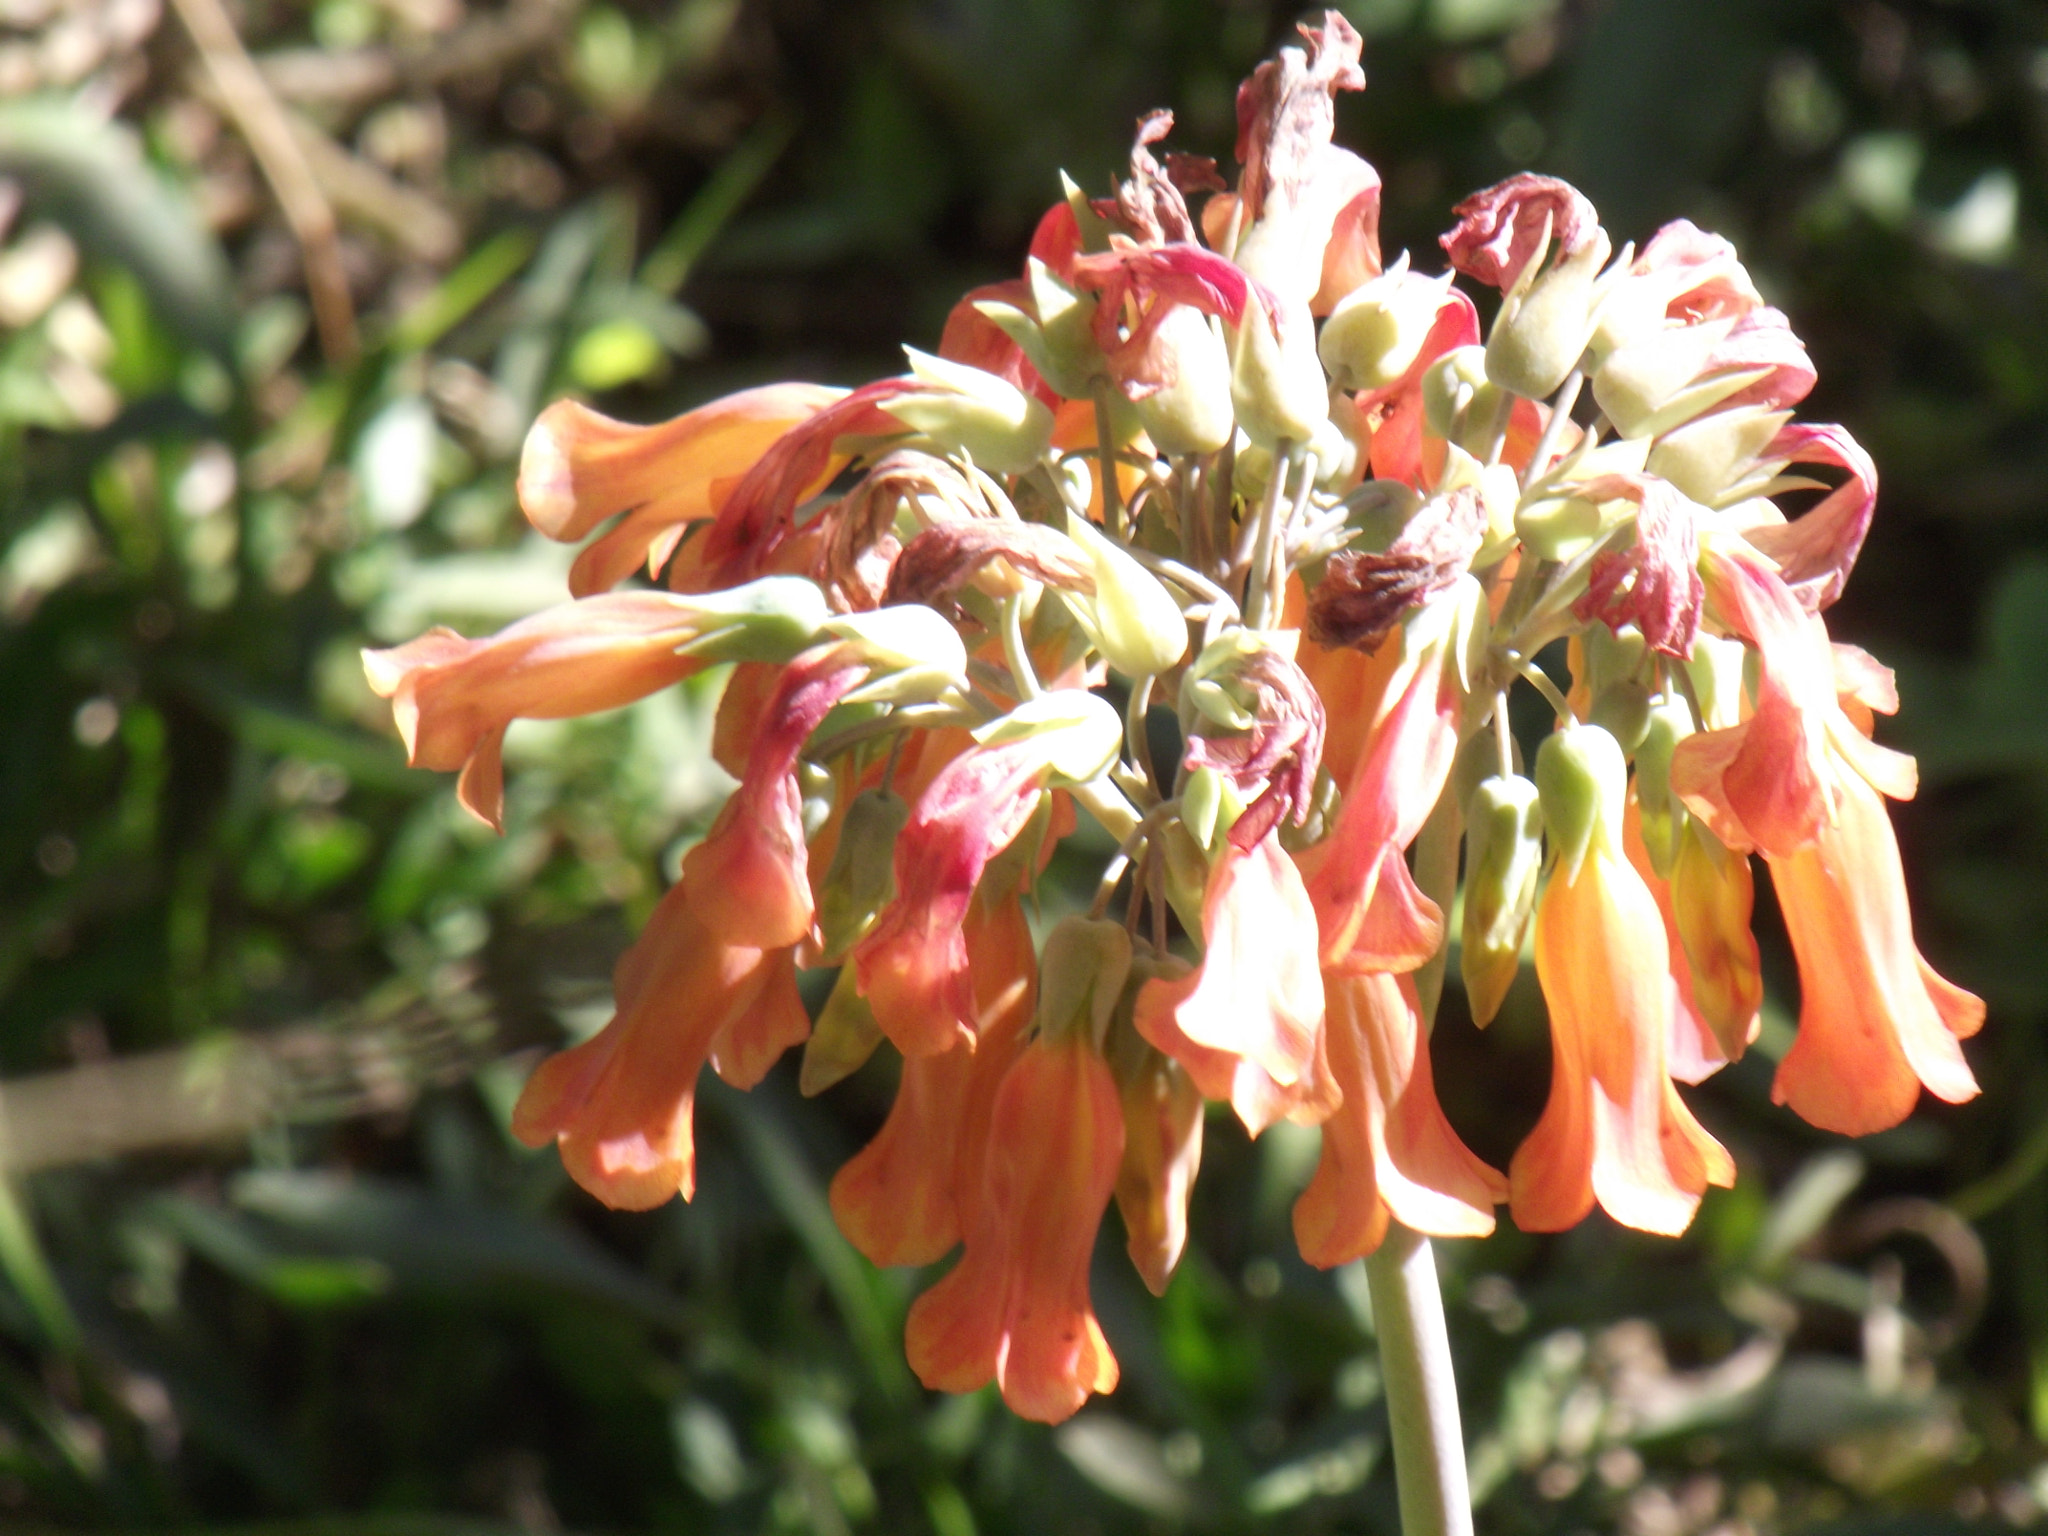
1397	781
1388	1150
453	698
1715	972
1614	1129
1016	1308
1875	1021
754	855
907	1196
1162	1154
579	468
1247	1024
914	963
619	1105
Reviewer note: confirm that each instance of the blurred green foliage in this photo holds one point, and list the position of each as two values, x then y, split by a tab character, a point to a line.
354	1306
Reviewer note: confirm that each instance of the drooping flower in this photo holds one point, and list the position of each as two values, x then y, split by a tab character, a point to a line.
1388	1151
1614	1129
907	1197
1016	1308
619	1106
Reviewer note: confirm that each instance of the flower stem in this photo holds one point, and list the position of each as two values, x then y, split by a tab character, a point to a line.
1422	1392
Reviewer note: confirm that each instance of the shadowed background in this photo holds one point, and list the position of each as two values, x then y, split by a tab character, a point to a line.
281	286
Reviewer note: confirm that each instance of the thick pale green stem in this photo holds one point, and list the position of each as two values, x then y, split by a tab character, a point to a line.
1422	1392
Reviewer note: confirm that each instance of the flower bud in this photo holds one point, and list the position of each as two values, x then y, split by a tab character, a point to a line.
1132	618
1335	444
966	410
1078	734
1060	341
1663	818
1622	709
1718	670
915	654
1704	458
1209	807
1187	862
1450	387
1081	973
1277	388
1251	472
1192	412
766	620
1376	331
1503	857
1583	780
1540	334
862	876
1653	384
1563	527
842	1040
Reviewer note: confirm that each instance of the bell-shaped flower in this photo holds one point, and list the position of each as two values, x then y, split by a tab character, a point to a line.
1162	1154
1614	1128
1358	868
619	1106
1502	238
1654	583
755	855
1709	1024
907	1196
579	468
1683	276
1876	1023
1388	1151
962	409
913	964
1016	1308
1257	997
453	698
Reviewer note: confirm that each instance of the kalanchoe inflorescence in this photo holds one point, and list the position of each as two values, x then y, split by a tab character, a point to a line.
1139	482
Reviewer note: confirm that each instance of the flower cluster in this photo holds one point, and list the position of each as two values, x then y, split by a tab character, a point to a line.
1228	469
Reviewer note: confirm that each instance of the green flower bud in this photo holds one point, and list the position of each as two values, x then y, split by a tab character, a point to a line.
1132	618
1503	858
1704	458
1277	388
1079	733
916	655
1376	331
766	620
1654	383
1251	472
1187	864
1663	817
1719	669
1540	335
1060	342
1450	386
1081	973
1583	779
842	1040
1209	808
862	876
1192	414
1622	709
968	411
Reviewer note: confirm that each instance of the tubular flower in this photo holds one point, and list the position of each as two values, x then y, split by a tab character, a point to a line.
619	1105
1388	1151
1614	1129
1308	523
905	1197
